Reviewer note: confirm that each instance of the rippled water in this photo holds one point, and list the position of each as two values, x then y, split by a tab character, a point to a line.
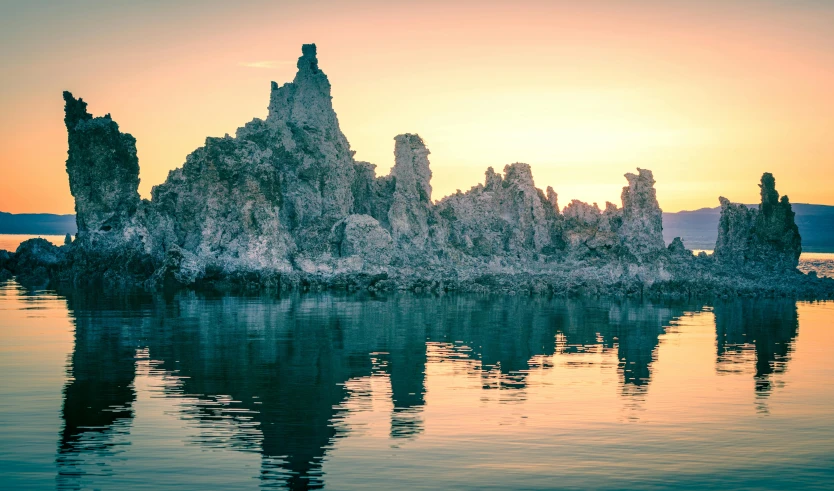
408	392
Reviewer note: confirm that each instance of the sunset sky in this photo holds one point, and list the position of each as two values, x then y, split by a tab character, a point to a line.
707	94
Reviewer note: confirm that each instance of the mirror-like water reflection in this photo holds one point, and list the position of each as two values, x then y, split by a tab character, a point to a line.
349	392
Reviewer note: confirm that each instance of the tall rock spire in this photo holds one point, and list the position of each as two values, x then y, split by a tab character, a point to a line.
411	205
103	169
303	121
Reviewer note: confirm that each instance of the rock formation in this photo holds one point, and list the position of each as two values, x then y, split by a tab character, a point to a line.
411	203
642	228
506	216
103	169
284	204
765	238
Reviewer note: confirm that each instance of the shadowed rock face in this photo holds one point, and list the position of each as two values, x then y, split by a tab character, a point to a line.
284	203
103	169
767	237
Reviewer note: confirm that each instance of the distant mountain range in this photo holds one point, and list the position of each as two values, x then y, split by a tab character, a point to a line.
698	228
37	224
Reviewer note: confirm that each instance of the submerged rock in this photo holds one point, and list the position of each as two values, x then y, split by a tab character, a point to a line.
283	204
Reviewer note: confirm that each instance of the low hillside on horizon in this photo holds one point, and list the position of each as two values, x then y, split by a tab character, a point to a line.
37	224
697	228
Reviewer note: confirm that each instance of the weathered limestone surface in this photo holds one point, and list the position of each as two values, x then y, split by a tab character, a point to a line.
507	215
283	204
411	206
361	236
591	232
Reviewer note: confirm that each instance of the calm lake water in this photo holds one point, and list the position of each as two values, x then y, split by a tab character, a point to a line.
409	392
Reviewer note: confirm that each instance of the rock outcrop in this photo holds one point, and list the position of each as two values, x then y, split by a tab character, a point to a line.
591	232
642	227
505	216
766	238
362	237
103	169
283	204
6	265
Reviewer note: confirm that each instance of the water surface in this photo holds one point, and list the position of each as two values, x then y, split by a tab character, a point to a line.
408	392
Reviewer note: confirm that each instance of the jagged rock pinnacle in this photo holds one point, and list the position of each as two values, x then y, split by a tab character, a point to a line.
308	58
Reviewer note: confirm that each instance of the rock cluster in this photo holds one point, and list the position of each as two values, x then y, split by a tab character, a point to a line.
283	203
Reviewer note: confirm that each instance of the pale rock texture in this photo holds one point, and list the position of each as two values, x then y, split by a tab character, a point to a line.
590	232
270	196
507	215
224	204
315	156
411	206
362	236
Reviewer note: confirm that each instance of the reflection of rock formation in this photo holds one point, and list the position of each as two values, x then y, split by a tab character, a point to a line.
99	395
287	361
632	328
764	328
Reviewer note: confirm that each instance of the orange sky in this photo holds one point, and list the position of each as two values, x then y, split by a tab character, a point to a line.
707	94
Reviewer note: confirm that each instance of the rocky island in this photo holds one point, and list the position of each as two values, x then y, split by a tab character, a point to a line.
284	205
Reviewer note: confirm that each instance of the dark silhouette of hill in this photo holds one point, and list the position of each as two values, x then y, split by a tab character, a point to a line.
37	224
